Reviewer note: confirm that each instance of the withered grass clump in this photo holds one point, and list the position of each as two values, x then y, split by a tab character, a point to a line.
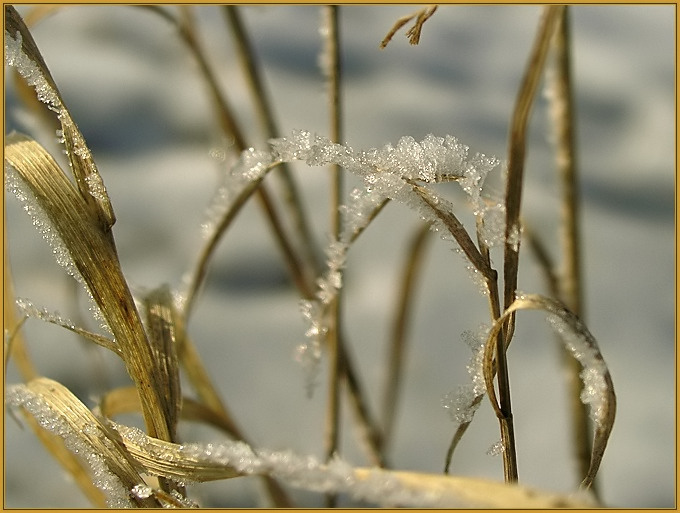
119	466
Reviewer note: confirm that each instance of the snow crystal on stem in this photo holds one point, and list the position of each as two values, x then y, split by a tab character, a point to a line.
27	308
585	350
304	472
95	186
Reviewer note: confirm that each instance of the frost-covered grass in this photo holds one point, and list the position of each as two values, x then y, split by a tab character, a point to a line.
471	201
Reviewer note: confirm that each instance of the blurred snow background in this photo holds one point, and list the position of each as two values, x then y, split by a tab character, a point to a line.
137	98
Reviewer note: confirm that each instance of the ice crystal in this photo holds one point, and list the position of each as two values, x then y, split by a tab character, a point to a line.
142	491
496	449
16	186
463	404
250	167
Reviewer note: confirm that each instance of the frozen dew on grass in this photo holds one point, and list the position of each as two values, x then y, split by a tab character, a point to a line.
402	173
27	308
27	68
250	167
95	186
15	185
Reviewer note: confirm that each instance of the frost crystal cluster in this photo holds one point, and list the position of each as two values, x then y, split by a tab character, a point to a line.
463	404
594	370
402	173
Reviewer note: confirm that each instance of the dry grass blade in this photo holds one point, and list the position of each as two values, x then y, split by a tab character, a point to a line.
161	329
169	460
93	257
58	410
32	67
467	492
29	310
333	71
461	235
598	386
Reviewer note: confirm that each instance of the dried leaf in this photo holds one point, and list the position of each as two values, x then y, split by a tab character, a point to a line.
30	64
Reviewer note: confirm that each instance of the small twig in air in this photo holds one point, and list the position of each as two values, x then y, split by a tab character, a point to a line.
413	33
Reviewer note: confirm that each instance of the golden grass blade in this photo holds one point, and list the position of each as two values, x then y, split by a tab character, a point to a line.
332	70
161	329
209	462
58	410
93	258
32	67
598	385
161	458
126	400
467	492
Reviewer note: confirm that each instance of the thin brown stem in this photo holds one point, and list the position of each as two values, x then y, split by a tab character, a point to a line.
570	279
264	111
513	197
402	316
330	28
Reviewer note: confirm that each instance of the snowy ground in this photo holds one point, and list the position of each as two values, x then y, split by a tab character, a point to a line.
136	97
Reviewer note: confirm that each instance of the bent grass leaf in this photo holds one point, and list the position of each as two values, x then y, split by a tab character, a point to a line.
22	52
28	309
598	385
57	410
215	461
